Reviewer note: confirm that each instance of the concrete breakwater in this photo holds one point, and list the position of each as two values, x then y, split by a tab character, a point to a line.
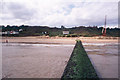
79	65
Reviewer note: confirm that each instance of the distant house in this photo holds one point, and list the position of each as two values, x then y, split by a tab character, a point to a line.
10	32
0	33
13	32
20	30
44	32
4	32
65	32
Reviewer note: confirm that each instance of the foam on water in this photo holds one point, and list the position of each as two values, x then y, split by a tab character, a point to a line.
26	44
22	44
100	44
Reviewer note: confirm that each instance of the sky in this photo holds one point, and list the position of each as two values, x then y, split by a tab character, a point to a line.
55	13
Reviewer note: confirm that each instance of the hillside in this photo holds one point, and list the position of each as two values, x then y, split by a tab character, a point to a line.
73	32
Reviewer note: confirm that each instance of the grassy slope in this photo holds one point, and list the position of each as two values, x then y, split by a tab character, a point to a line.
74	31
79	65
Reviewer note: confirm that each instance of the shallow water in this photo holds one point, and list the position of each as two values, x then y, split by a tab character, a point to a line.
104	58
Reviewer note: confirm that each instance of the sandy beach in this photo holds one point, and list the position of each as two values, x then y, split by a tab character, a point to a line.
44	57
59	40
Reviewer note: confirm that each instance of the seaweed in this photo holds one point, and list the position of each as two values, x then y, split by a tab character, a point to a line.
79	66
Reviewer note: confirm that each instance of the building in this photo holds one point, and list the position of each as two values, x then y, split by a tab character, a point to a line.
9	32
65	32
14	32
3	32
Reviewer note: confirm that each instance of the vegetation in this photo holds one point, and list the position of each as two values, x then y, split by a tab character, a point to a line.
74	31
79	65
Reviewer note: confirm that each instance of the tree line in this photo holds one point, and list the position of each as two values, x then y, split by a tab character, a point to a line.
54	31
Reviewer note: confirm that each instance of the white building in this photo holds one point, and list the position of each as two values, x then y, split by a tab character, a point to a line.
65	32
9	32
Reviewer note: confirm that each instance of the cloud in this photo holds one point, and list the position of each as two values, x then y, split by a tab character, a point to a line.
59	12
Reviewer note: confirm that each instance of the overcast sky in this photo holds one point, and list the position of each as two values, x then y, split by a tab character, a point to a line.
59	12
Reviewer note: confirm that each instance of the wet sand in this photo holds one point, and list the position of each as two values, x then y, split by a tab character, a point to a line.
37	61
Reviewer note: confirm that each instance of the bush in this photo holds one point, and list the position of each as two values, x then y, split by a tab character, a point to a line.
74	35
87	36
68	35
